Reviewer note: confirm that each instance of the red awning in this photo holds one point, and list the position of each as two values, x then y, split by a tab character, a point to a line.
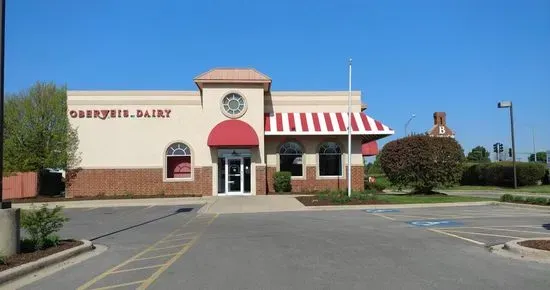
369	148
233	133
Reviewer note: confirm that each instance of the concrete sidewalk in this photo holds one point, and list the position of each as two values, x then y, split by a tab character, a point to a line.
239	204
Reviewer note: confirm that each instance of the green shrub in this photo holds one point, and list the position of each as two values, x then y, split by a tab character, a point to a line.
423	162
472	174
519	199
2	260
42	225
525	199
281	181
502	174
507	198
546	178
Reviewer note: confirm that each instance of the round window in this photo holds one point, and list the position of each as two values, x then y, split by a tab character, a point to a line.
233	105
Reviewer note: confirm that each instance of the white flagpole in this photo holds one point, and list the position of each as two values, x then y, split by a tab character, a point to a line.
349	132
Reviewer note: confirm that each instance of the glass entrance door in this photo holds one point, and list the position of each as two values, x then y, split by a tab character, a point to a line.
234	173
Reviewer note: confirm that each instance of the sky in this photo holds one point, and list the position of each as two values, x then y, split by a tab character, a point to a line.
409	57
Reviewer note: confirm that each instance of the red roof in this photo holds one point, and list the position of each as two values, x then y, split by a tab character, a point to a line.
233	133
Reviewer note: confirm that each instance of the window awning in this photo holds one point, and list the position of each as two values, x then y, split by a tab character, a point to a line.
233	133
369	148
334	123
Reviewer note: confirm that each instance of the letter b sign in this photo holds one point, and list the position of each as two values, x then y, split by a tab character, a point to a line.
442	130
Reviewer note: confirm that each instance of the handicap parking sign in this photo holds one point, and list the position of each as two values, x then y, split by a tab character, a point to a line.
385	210
434	223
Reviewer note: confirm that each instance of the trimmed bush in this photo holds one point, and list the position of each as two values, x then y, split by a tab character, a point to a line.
281	181
423	162
42	225
546	178
507	198
502	174
525	199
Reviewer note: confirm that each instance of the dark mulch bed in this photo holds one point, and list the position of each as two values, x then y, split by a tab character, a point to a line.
99	197
315	201
537	244
23	258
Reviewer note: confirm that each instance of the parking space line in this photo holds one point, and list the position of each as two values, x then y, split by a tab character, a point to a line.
162	267
90	209
458	237
383	216
184	234
169	247
106	273
482	234
178	239
119	285
506	230
137	269
155	257
155	275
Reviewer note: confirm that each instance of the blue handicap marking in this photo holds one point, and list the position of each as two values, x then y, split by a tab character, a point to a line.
381	210
435	223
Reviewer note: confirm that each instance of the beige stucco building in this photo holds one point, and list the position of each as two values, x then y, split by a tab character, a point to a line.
227	137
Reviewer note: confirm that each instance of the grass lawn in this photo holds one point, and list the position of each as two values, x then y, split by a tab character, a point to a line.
433	198
540	189
341	198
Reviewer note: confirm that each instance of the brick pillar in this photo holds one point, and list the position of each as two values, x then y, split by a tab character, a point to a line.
261	185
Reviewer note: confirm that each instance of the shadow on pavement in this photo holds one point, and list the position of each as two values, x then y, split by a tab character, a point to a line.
181	210
546	226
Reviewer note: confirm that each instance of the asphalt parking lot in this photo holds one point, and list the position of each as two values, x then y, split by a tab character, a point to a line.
429	248
485	226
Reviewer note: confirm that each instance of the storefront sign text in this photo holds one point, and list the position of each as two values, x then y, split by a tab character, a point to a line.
118	113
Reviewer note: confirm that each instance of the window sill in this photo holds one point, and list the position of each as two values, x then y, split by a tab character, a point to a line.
178	179
331	177
297	178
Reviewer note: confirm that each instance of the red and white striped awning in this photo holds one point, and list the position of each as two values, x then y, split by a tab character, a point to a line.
334	123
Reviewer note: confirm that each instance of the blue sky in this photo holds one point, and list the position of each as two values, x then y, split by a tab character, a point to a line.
457	56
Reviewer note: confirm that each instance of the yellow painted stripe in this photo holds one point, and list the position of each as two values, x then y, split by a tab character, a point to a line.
383	216
137	269
457	236
169	247
184	234
155	275
106	273
119	285
178	239
155	257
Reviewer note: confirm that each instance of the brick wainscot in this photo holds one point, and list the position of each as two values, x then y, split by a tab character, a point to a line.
93	182
312	182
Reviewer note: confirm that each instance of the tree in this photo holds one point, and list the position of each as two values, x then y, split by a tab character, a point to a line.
423	162
374	167
37	133
479	154
541	157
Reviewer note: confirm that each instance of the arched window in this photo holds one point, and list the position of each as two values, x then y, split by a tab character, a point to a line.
290	158
330	159
178	161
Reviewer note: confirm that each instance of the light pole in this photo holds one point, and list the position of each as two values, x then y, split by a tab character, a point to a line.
2	28
508	104
534	148
407	124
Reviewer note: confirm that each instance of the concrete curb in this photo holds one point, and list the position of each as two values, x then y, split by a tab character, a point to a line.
27	268
117	202
411	205
513	249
